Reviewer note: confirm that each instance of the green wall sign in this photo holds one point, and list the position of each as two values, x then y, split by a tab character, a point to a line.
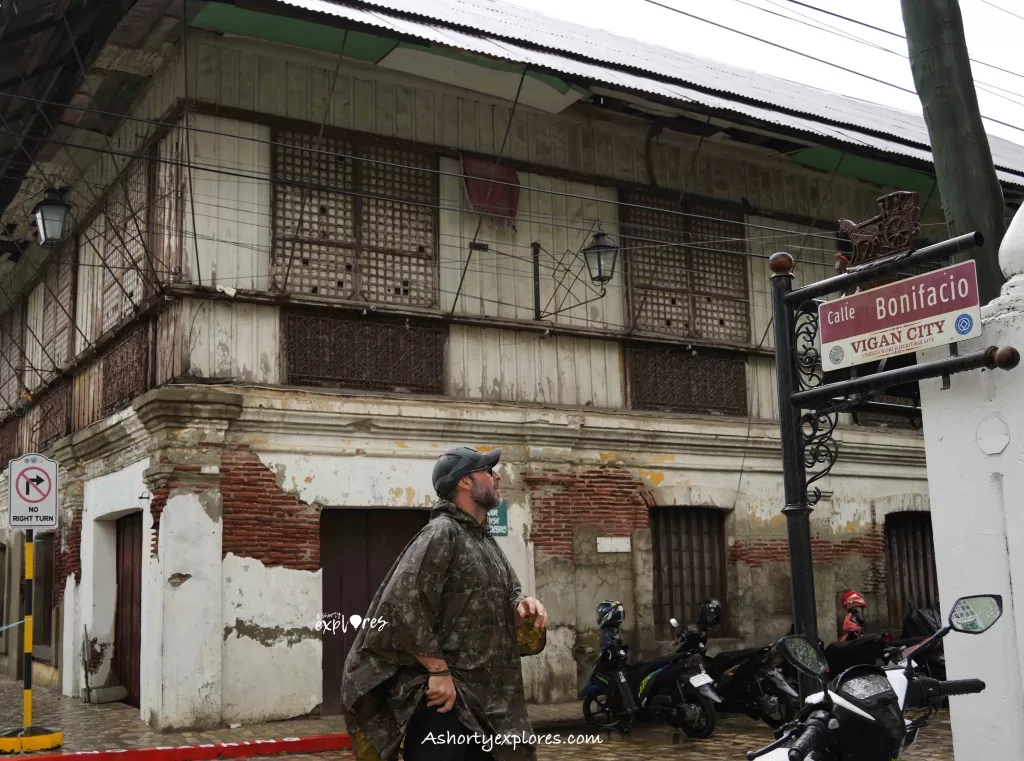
497	520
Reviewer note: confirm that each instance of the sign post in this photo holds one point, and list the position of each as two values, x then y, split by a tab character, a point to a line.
497	520
32	504
897	318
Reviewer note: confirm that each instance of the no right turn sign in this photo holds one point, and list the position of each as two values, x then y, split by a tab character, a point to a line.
32	497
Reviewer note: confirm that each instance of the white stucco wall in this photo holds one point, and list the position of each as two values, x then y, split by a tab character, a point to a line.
183	687
974	433
270	638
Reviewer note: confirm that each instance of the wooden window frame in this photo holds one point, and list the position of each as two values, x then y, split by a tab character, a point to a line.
360	143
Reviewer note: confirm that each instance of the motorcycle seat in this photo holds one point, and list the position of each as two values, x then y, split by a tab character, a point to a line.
730	657
646	667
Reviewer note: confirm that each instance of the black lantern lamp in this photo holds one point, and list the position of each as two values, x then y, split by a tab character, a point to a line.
51	215
601	255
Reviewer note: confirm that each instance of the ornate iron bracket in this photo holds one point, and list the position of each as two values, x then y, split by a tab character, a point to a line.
806	353
818	446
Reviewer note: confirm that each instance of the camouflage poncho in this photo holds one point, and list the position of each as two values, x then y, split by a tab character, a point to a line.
451	594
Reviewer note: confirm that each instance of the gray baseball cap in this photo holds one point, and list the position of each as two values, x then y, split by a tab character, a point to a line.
456	464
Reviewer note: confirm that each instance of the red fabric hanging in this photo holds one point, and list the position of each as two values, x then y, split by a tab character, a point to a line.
499	201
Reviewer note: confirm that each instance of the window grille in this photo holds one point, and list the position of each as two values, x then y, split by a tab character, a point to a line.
364	353
669	378
360	229
688	274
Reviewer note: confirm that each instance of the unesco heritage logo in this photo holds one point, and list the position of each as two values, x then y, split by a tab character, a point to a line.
836	354
963	324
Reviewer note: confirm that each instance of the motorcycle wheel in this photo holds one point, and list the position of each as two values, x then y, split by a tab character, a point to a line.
699	716
777	708
597	710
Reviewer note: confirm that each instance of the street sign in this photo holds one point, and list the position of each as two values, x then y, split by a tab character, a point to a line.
497	520
32	498
934	309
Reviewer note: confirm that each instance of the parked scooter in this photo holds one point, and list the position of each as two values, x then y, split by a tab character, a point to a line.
861	715
749	680
919	624
673	689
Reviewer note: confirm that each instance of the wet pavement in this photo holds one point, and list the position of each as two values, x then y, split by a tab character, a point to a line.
115	725
732	739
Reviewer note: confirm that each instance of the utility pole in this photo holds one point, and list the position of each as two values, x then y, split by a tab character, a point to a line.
972	198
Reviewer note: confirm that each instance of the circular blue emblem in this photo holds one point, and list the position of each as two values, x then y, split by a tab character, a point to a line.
836	354
963	324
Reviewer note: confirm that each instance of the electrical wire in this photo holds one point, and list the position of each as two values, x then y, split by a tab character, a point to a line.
382	162
897	35
1004	10
986	86
810	57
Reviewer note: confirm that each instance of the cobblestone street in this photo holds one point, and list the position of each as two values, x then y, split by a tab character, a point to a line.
115	725
733	738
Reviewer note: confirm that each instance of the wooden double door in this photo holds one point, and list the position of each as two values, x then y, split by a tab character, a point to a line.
357	549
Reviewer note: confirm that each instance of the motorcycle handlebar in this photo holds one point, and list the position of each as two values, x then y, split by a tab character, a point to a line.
814	735
961	687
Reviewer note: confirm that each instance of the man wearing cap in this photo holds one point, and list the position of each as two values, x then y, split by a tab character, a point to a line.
447	662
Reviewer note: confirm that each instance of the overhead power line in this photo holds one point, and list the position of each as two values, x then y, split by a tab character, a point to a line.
897	35
810	57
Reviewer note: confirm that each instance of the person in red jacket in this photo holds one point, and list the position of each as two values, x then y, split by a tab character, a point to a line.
853	624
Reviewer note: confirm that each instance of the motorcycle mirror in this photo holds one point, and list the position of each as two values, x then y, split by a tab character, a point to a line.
975	614
675	624
805	657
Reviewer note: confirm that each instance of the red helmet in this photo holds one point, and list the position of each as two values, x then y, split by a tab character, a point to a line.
853	600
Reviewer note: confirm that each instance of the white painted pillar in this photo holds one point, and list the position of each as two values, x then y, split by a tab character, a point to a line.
974	438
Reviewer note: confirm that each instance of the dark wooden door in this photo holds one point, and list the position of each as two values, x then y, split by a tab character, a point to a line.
357	549
689	563
911	559
128	618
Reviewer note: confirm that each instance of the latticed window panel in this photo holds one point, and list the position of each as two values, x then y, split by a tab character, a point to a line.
696	289
307	204
320	269
375	243
126	369
679	381
364	353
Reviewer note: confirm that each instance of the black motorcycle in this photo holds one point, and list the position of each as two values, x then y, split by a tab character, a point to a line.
750	681
919	624
673	689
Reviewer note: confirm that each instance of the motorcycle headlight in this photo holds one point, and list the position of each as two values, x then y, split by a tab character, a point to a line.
864	687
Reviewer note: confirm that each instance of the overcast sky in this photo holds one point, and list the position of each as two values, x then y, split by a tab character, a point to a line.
993	37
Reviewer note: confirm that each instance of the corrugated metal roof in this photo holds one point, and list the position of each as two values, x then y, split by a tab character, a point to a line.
849	115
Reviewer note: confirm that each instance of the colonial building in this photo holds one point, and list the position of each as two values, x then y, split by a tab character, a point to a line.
312	245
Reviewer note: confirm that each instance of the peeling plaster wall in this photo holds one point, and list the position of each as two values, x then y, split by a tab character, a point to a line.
269	638
184	689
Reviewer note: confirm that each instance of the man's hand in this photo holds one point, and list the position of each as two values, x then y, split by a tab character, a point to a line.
531	610
441	692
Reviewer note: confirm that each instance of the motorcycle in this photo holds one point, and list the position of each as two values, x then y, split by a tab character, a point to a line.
750	681
673	689
862	714
919	624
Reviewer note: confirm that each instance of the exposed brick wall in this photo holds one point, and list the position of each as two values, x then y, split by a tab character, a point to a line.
608	498
261	521
68	551
756	554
